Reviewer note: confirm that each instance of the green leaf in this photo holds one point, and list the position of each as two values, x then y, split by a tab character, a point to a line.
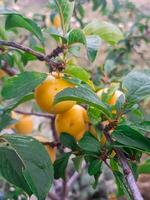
82	95
94	115
94	167
120	102
89	143
25	163
3	34
75	50
134	168
135	114
109	66
26	57
72	79
78	162
21	84
59	38
13	171
143	126
68	141
120	179
17	102
144	168
65	8
81	10
131	138
137	84
60	166
15	20
122	188
77	72
93	45
76	36
110	33
9	59
99	4
5	120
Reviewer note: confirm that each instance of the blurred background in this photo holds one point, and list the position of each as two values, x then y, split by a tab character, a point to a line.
112	63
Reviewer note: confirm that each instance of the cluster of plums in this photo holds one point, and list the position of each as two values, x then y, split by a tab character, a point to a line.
69	116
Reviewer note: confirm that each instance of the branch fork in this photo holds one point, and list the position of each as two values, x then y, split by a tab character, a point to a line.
42	57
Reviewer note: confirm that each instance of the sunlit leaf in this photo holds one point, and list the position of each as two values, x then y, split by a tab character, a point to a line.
107	31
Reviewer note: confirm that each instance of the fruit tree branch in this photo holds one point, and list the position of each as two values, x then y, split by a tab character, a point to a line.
35	114
52	196
129	175
42	57
64	188
125	166
23	48
10	71
72	179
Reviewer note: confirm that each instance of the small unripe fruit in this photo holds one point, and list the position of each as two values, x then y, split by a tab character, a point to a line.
46	92
113	99
113	153
57	21
74	122
95	134
2	73
24	126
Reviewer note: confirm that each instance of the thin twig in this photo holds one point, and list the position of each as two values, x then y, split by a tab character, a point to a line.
74	178
125	166
64	188
23	48
53	196
9	70
55	135
56	139
35	114
24	39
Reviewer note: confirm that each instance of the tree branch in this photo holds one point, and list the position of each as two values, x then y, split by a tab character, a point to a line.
64	188
23	48
56	139
52	196
10	71
42	57
35	114
75	176
125	166
129	175
72	179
